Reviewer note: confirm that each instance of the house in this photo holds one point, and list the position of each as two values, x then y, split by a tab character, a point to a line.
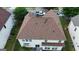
74	31
6	24
60	11
42	30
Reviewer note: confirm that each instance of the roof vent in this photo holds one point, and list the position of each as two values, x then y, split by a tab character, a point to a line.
40	13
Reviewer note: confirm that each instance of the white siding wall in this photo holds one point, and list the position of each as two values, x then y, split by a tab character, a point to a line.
58	47
31	44
5	32
75	34
39	42
55	41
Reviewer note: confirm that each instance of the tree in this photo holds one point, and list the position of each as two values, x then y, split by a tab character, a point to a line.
48	8
70	11
19	13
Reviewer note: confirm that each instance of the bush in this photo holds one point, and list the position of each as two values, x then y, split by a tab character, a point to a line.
48	8
70	11
19	13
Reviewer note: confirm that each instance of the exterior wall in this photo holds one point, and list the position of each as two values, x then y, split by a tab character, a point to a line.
31	44
55	41
5	32
75	40
39	42
58	48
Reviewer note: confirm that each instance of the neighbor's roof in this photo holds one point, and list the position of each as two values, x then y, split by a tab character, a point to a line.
41	27
75	20
4	15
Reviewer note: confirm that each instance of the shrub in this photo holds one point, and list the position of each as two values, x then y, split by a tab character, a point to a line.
19	13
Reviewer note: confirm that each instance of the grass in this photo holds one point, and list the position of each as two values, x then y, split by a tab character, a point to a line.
12	39
19	48
68	43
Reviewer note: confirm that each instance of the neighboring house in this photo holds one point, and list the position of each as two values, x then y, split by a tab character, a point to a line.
42	30
32	9
60	11
74	31
6	24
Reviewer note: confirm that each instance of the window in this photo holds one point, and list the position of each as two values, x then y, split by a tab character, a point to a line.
52	48
23	40
26	40
59	41
4	26
26	44
37	45
75	29
30	40
48	48
77	45
73	37
55	48
45	47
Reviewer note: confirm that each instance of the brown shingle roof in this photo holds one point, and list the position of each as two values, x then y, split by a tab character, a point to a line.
41	27
4	15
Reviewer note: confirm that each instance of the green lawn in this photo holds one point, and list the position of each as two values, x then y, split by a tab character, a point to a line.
12	39
68	42
19	48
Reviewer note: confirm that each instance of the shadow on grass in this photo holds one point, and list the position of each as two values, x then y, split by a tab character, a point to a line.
68	43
